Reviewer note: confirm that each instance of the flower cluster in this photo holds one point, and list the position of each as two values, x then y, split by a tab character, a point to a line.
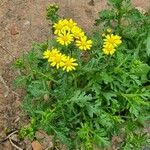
59	60
67	31
111	42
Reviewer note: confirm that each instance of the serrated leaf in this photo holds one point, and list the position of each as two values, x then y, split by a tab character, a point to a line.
80	98
20	81
37	88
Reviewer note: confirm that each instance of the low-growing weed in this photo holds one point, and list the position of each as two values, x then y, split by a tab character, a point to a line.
86	89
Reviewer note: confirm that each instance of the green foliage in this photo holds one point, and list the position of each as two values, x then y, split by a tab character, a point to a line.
132	24
148	44
28	131
52	13
105	96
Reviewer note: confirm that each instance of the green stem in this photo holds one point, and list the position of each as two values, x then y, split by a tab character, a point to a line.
48	77
75	81
119	18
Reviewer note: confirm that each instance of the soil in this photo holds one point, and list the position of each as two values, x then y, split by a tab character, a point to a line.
23	22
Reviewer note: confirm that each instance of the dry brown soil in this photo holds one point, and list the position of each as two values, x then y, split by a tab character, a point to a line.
22	22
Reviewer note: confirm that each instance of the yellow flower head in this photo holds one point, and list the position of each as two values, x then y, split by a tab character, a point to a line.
65	38
83	43
69	64
46	54
59	26
77	32
63	25
108	49
71	24
53	53
112	39
57	60
49	54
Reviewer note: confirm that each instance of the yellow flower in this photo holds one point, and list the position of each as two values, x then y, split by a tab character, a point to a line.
53	53
83	43
63	25
46	54
57	60
59	26
108	49
71	24
115	40
65	38
69	64
77	32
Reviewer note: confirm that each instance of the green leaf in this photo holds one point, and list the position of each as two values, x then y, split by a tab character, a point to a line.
148	44
101	138
20	81
80	98
37	88
105	15
106	77
109	95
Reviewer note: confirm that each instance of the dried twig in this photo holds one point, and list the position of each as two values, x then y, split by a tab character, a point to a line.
7	51
10	140
7	87
4	83
9	136
14	145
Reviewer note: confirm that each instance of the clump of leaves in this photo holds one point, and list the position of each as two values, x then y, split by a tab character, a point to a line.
133	24
105	96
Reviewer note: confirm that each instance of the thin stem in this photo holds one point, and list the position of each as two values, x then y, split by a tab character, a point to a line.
75	81
119	16
48	77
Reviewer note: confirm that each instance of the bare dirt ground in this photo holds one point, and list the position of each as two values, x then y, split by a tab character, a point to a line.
22	22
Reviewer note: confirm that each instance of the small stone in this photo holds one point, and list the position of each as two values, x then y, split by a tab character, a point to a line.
46	140
26	24
36	145
14	30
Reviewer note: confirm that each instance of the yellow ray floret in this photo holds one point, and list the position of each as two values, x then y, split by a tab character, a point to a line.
77	32
83	43
108	49
112	39
60	25
53	53
71	24
69	64
46	54
64	25
57	60
65	38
